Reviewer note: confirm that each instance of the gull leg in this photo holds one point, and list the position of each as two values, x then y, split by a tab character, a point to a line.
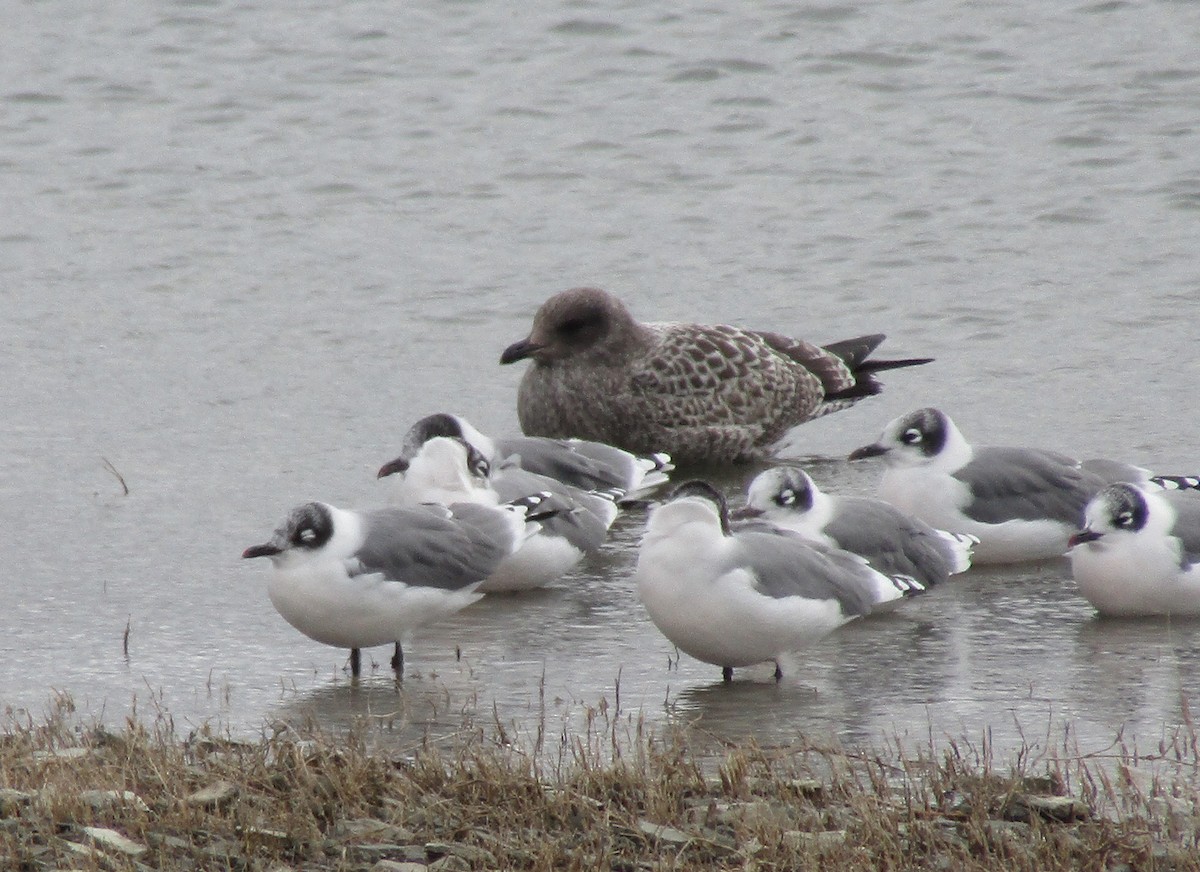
398	661
727	674
355	662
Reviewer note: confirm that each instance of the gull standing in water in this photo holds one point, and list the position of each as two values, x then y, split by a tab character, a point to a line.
734	597
892	541
1139	552
1020	503
358	579
448	470
580	463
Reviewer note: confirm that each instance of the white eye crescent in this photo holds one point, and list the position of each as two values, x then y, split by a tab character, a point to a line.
911	436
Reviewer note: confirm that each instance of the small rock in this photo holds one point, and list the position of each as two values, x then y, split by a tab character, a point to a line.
163	840
1010	831
99	800
370	828
756	815
62	754
387	851
113	841
276	840
799	840
215	795
12	801
1059	808
473	855
662	833
397	866
449	863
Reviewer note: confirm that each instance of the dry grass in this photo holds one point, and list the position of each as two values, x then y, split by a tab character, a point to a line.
602	800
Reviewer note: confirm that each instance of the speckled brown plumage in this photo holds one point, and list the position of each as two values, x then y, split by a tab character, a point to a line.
702	393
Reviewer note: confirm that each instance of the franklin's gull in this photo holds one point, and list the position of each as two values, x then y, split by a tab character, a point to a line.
734	597
1139	552
358	579
892	541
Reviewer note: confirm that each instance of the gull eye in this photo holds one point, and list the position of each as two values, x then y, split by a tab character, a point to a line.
1123	519
306	536
911	436
481	468
786	497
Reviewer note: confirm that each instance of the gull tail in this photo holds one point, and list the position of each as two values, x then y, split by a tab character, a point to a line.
891	590
959	550
651	473
1177	482
855	353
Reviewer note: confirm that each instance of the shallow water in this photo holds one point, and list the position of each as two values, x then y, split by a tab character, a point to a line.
244	247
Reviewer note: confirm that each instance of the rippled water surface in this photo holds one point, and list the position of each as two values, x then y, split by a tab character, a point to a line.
244	246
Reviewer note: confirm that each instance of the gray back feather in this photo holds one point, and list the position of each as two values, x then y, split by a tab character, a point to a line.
425	546
1187	524
893	542
556	459
1027	484
785	566
572	518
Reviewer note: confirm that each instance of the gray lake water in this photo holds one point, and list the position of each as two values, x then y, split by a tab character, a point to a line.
244	246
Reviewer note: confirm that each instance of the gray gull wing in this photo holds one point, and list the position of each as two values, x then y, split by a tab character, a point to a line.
893	542
431	547
784	567
1028	484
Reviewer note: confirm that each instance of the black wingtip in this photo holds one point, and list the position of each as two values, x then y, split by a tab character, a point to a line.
868	366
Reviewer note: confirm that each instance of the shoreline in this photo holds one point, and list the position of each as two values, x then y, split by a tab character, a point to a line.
619	795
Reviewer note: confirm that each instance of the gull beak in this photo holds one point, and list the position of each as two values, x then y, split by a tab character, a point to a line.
872	450
745	513
400	464
1083	536
520	351
265	550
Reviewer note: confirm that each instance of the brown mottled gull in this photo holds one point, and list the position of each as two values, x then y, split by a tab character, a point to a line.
702	393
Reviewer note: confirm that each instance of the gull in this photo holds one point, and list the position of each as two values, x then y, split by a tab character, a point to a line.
357	579
580	463
704	394
1139	552
893	542
447	470
1021	503
735	597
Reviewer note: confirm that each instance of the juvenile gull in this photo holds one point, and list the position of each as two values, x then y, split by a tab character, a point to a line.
1139	552
892	541
448	470
581	463
735	597
358	579
702	393
1021	503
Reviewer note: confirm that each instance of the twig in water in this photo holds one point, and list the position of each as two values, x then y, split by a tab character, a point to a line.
108	465
125	636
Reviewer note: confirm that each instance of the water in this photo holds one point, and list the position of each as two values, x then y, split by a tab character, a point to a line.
243	247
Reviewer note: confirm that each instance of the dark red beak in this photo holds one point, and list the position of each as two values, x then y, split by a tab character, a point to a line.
872	450
266	550
1083	536
400	464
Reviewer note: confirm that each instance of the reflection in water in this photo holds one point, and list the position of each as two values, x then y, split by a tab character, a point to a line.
239	267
